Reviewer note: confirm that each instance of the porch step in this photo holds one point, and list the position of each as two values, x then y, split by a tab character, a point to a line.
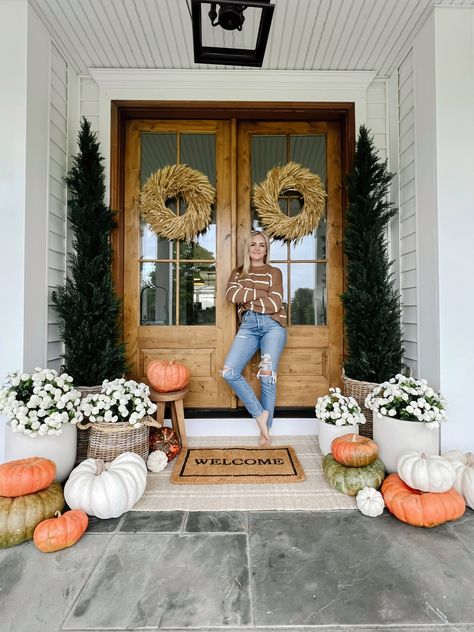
245	426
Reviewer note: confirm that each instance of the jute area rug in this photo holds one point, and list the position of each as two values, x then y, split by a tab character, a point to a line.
312	494
201	466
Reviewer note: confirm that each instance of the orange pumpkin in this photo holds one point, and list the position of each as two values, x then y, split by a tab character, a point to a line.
60	532
167	375
352	450
26	476
421	509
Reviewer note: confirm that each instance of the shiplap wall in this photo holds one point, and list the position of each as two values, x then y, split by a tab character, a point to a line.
57	211
407	210
377	115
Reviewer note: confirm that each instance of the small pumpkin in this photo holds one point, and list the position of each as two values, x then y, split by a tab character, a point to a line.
350	480
370	502
26	476
19	516
60	532
464	466
353	450
106	490
421	509
157	461
426	473
166	440
167	375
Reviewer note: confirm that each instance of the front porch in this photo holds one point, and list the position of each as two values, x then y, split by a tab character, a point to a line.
266	571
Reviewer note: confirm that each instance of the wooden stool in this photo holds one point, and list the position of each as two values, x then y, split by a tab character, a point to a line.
175	398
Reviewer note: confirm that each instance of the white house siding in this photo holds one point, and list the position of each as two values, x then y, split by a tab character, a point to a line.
89	101
57	201
407	210
377	114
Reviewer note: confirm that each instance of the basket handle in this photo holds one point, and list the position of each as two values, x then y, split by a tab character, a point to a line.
148	421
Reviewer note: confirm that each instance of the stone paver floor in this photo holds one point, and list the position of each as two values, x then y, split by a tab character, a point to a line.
266	571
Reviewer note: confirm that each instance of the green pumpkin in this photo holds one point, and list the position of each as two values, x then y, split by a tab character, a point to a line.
350	480
19	516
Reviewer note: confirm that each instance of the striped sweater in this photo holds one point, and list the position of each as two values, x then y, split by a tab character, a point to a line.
260	291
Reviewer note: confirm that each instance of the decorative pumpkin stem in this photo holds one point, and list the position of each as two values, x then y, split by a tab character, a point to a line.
100	465
57	514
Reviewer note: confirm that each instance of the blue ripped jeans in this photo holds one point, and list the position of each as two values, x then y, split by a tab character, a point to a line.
257	331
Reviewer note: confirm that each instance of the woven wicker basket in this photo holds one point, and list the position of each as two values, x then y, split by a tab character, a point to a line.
108	440
359	391
83	433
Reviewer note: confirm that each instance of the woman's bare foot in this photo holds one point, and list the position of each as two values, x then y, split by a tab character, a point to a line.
265	440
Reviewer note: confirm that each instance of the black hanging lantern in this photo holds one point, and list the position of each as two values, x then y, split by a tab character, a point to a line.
229	16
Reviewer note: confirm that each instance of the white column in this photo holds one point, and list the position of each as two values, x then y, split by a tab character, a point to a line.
444	132
24	130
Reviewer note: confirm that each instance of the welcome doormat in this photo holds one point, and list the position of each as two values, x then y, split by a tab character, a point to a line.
237	465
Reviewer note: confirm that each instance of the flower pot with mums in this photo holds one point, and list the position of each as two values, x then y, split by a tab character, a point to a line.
407	415
42	410
337	415
119	419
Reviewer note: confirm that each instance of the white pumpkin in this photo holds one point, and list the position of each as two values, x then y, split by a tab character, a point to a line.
370	502
426	473
464	466
157	461
106	490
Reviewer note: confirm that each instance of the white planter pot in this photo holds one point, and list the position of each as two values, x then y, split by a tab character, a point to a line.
396	436
59	448
328	432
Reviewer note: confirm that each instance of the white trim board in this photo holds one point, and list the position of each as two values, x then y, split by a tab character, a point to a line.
246	427
226	85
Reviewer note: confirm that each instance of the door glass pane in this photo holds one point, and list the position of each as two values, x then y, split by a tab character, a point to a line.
267	152
157	294
160	258
308	294
197	294
312	246
310	151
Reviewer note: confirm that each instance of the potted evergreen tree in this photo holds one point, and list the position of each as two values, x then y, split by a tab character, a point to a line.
87	304
374	347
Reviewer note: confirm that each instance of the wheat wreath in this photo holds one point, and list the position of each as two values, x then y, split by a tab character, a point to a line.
291	177
170	182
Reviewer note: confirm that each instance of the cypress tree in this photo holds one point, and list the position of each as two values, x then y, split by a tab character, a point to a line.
87	305
371	304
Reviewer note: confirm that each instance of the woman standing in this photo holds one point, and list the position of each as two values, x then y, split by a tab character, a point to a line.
257	289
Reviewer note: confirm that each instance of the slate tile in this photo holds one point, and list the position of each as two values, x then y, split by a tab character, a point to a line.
166	580
152	521
38	589
340	569
98	525
464	529
213	521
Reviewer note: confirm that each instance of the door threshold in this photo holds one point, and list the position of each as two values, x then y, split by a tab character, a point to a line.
246	427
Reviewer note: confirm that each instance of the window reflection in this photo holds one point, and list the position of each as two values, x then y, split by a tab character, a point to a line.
157	294
308	294
197	294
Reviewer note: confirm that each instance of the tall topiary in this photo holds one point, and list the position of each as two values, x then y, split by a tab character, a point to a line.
87	305
371	304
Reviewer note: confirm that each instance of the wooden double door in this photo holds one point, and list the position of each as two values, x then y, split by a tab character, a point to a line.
174	292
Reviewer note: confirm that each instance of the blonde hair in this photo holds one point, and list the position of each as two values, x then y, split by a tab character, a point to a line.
247	262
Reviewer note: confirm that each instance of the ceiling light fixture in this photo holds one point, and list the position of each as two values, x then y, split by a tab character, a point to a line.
229	15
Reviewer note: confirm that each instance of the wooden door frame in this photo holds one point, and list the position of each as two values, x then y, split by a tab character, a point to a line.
123	111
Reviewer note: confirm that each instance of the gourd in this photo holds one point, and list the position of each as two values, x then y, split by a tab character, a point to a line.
61	532
353	450
106	490
421	509
166	440
370	502
157	461
426	473
26	476
464	466
19	516
167	375
350	480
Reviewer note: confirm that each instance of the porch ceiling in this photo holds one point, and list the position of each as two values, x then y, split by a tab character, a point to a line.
305	34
